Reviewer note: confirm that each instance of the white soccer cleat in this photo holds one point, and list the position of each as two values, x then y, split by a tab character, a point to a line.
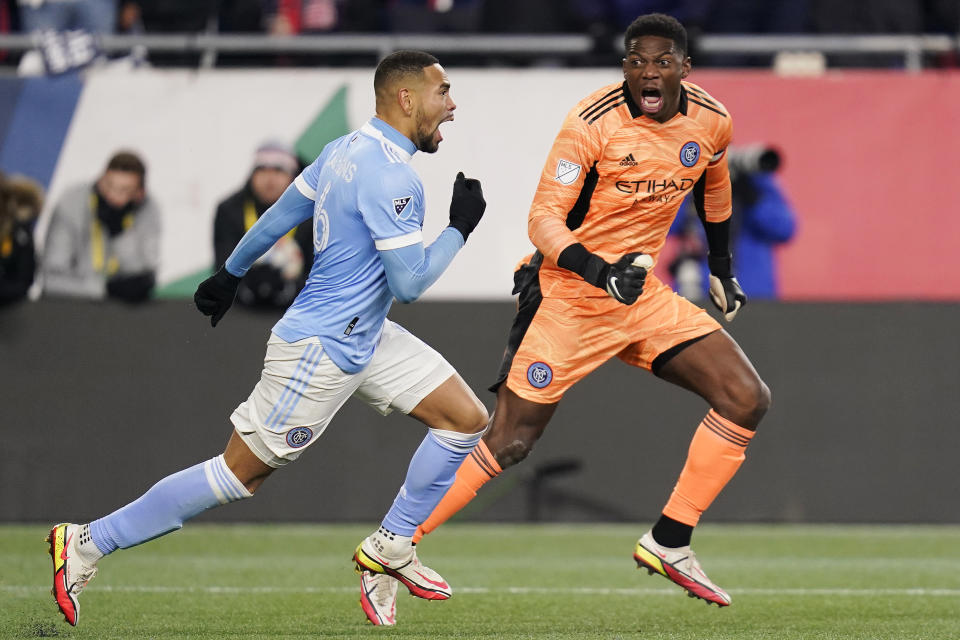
70	572
679	565
378	598
396	556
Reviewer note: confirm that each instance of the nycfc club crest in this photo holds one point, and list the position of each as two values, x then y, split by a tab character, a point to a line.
539	374
401	206
567	172
299	436
689	154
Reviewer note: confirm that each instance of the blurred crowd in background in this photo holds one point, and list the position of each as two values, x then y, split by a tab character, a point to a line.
601	19
101	241
285	17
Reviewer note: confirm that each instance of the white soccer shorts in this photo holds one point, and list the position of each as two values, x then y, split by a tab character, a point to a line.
301	389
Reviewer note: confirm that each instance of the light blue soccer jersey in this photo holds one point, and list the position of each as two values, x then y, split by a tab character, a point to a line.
367	198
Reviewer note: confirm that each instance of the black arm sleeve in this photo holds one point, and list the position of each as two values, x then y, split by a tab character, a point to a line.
588	266
718	234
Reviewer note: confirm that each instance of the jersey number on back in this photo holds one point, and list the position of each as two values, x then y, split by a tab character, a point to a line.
321	222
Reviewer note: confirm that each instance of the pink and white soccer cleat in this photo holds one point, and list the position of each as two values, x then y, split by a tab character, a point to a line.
680	566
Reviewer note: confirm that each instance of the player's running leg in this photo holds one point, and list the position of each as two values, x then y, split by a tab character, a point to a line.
76	549
515	427
456	419
715	368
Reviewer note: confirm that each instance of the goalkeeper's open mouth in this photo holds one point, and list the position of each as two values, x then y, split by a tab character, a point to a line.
651	101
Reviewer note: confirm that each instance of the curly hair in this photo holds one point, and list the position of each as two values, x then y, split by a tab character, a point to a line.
657	24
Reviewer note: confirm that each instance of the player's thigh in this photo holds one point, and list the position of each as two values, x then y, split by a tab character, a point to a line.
516	426
452	406
663	324
563	342
717	369
299	392
404	371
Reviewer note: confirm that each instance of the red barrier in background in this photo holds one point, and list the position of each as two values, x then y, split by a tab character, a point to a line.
871	166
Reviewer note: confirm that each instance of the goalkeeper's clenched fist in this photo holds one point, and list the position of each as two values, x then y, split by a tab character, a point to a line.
624	279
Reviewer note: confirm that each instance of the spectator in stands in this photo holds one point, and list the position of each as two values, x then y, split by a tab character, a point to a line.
618	14
276	278
535	16
91	16
292	17
762	220
459	16
20	202
104	238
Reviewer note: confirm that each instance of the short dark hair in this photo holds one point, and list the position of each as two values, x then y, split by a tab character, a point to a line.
657	24
129	162
400	64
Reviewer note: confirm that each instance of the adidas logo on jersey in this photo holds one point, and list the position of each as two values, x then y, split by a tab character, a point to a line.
628	161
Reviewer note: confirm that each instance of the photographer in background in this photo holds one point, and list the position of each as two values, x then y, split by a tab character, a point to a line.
277	277
762	219
104	238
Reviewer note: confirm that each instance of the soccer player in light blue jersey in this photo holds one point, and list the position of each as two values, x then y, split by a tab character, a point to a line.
334	342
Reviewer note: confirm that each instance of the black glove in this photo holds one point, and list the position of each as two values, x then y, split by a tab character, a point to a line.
467	205
622	280
215	294
131	288
725	291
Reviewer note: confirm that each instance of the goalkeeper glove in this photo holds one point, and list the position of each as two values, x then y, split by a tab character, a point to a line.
725	291
622	280
467	205
215	294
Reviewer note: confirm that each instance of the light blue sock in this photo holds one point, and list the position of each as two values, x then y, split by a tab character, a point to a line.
432	470
167	505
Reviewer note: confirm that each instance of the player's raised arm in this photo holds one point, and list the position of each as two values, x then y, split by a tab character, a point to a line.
413	268
215	294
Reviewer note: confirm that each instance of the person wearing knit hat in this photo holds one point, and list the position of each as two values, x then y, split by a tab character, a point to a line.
274	281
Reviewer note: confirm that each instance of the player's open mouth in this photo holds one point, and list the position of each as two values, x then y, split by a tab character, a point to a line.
440	135
651	100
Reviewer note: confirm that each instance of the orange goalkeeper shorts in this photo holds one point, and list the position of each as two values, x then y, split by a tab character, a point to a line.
555	342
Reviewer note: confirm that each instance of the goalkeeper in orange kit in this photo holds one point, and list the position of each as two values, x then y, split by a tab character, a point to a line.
625	158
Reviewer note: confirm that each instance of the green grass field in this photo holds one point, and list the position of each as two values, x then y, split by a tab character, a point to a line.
510	581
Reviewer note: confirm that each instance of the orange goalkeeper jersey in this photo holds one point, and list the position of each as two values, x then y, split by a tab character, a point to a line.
615	179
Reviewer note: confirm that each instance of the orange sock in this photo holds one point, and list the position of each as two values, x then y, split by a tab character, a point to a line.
716	452
475	471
